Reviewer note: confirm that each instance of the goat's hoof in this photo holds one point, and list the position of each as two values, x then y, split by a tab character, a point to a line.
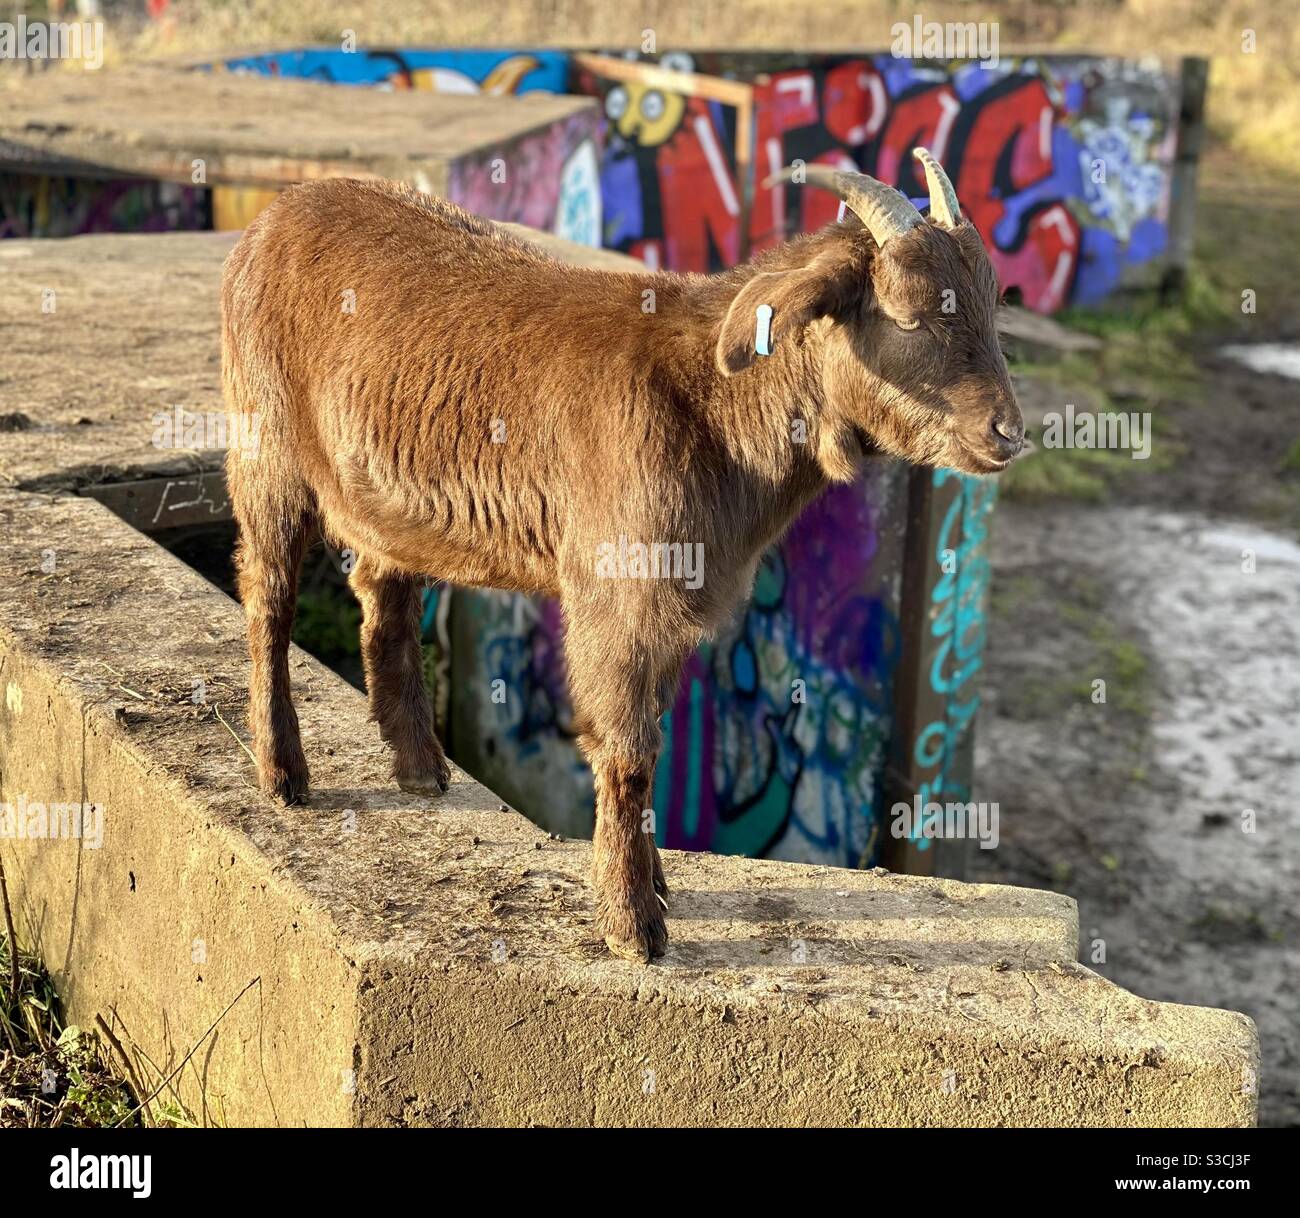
423	784
642	938
422	772
288	784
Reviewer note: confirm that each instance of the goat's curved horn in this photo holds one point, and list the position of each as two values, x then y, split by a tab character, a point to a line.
943	198
884	211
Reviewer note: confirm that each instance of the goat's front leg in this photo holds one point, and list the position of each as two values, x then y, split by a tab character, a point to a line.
625	866
616	683
394	667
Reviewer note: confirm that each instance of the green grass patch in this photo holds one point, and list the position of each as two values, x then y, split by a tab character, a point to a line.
328	623
1063	473
1120	379
54	1074
1222	924
1120	662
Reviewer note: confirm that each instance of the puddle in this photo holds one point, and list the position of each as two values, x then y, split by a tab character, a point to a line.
1223	605
1195	907
1281	359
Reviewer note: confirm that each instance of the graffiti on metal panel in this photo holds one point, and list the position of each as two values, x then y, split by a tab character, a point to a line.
549	180
790	707
43	206
958	603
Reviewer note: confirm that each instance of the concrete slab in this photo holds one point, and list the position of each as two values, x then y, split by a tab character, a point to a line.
394	961
153	121
133	324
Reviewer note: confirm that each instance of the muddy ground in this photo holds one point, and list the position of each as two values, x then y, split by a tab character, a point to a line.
1169	811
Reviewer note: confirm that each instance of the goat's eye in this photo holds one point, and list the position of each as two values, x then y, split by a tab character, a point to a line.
908	325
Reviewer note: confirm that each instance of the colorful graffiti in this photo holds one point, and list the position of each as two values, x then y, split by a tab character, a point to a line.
510	715
549	180
1063	165
436	70
790	708
776	742
669	183
34	205
958	601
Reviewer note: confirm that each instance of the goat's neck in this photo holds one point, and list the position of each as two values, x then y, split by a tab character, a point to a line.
772	420
778	424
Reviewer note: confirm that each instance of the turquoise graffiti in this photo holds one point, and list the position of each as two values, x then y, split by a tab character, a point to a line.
958	605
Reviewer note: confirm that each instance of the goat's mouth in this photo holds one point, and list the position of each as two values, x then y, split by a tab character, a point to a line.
978	461
991	449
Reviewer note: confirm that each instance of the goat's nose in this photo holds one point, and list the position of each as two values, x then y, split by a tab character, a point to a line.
1008	435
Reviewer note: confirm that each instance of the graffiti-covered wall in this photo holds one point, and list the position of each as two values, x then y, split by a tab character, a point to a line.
781	729
448	70
777	743
784	739
943	626
1064	163
548	180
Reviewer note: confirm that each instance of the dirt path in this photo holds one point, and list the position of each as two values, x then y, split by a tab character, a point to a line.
1169	811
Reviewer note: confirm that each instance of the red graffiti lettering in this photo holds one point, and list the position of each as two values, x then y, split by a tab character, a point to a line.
699	197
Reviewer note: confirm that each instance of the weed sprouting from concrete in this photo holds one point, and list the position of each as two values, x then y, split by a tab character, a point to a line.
51	1074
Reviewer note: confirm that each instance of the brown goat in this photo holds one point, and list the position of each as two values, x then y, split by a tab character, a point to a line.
450	403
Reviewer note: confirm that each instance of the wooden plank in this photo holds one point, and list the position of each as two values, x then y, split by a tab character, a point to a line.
688	84
693	84
1035	333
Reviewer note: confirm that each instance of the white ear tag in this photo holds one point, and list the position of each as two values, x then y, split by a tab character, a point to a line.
763	335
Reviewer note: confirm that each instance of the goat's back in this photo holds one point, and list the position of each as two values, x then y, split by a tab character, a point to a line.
437	383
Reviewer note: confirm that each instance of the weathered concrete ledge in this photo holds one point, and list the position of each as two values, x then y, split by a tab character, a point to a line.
152	121
134	322
417	962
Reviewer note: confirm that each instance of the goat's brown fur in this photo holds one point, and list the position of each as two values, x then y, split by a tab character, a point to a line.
489	416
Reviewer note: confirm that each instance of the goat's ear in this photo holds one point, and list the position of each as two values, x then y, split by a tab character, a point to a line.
825	287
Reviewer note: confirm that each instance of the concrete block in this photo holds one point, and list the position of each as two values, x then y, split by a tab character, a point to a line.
413	962
136	321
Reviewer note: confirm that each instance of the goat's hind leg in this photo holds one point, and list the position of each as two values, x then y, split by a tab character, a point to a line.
273	533
394	667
